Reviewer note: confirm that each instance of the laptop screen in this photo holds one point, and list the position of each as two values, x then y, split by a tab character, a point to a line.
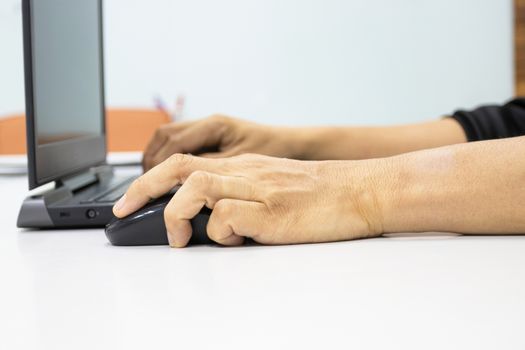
66	70
64	76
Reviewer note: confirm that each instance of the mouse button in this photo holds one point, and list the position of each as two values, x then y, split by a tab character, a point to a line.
132	219
148	214
112	221
116	225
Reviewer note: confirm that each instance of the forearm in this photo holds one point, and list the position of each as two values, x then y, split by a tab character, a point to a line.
375	142
470	188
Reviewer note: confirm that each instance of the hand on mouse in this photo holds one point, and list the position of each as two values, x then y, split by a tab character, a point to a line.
271	200
226	137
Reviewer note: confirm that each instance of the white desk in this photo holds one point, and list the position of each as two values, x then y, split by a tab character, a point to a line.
72	290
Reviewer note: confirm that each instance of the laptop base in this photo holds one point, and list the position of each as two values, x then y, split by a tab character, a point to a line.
71	203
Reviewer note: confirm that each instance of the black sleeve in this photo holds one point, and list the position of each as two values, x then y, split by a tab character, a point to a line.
493	122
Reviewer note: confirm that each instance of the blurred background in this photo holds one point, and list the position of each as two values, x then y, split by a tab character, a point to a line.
294	61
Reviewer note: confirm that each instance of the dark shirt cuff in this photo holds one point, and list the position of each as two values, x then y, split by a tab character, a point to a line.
493	122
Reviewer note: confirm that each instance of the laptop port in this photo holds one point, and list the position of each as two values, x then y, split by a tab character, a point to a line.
91	213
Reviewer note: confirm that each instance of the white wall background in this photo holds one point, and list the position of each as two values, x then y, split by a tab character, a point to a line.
295	61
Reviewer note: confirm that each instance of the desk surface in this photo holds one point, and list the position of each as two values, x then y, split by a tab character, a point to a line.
70	289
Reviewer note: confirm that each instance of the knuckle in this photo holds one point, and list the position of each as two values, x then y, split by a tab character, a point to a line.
217	117
223	209
275	202
174	138
162	130
180	160
250	157
241	156
141	185
219	120
218	221
199	178
213	231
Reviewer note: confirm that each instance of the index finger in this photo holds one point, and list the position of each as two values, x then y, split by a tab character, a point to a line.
161	179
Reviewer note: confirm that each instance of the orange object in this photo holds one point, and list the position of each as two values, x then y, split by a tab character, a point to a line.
13	135
131	129
127	130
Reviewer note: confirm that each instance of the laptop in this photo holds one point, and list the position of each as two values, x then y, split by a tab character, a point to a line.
65	116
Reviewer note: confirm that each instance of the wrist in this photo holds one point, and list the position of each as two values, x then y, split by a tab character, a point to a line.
325	143
381	182
337	143
362	191
319	143
296	142
420	192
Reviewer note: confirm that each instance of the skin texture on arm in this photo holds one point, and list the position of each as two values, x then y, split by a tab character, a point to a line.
468	188
353	143
221	136
476	188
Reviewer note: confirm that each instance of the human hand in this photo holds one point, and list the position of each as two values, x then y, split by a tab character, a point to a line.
219	137
271	200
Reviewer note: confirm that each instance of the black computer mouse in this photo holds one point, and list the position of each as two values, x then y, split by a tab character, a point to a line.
146	226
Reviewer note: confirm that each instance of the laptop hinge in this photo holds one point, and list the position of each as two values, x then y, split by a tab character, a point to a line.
86	178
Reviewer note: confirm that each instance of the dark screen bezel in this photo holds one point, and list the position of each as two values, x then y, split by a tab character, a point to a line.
54	161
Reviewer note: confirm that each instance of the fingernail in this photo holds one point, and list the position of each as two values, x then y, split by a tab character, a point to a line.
120	204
